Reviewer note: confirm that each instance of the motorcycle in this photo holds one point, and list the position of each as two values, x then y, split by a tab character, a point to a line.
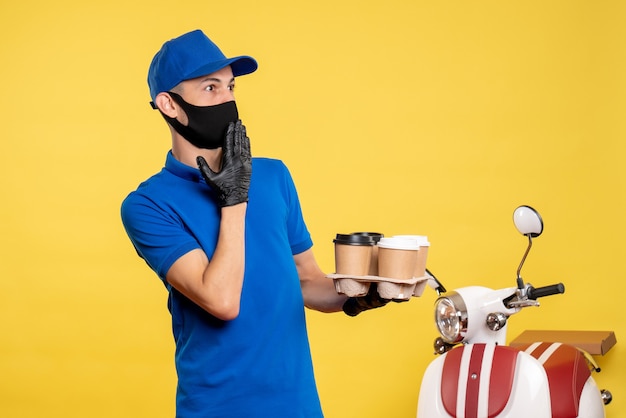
477	375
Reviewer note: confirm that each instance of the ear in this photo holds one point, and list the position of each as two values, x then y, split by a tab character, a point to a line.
166	105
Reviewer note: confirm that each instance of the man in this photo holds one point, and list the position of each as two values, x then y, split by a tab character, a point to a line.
225	234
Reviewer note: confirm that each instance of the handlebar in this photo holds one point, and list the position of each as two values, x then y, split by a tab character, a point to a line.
553	289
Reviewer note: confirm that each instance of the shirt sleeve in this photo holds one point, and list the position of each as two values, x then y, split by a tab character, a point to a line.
157	236
299	236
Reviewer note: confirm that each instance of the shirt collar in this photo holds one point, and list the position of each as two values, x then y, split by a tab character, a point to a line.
181	170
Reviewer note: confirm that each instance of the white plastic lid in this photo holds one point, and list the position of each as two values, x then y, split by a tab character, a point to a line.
422	240
399	243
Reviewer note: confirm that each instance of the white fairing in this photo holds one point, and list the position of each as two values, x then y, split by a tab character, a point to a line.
591	405
529	395
480	301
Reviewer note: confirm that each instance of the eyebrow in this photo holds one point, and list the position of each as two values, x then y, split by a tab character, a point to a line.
215	79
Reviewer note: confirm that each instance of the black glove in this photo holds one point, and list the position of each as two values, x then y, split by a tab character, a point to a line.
233	180
355	305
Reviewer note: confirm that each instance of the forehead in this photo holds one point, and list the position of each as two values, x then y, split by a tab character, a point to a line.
222	76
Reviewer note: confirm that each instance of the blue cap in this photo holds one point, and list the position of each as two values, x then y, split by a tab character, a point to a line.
189	56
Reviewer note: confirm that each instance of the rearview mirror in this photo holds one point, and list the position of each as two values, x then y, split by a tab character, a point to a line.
528	221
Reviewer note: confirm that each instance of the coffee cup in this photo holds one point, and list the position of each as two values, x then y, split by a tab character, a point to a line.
397	257
353	254
422	254
376	236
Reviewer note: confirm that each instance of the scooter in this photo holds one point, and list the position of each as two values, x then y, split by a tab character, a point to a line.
476	375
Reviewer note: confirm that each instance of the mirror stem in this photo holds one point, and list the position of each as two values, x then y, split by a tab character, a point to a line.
520	282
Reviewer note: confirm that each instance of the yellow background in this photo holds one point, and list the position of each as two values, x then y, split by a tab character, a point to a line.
414	117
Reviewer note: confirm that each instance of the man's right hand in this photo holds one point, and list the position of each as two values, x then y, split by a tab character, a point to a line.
232	182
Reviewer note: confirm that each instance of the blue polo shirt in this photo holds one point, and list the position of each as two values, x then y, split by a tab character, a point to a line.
259	364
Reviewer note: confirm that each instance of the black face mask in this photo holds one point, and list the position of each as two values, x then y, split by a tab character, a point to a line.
206	126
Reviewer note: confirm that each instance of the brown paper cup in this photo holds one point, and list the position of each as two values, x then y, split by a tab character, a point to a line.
373	270
375	236
397	257
422	255
353	260
420	265
396	263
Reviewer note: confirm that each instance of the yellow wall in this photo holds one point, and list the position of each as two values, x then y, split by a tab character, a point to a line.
418	117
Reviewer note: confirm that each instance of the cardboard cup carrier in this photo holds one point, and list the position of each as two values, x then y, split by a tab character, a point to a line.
397	265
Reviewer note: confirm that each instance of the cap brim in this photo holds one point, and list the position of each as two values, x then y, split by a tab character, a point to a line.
240	65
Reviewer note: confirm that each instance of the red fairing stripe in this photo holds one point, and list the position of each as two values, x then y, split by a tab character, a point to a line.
450	379
567	374
473	384
501	375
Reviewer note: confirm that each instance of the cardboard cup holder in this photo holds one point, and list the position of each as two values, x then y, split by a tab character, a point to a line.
403	257
388	288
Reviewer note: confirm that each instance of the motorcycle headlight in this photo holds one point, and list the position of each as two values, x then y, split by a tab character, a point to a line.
451	317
